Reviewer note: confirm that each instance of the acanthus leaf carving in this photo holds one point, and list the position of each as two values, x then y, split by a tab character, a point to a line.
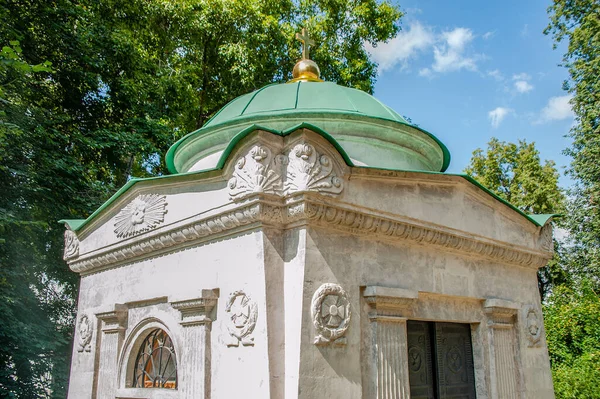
71	245
144	213
331	314
242	314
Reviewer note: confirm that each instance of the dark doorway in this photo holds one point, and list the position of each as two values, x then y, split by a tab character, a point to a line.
440	360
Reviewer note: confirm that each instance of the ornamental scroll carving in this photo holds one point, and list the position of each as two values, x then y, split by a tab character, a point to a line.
546	241
331	314
84	328
144	213
242	314
71	245
533	325
301	168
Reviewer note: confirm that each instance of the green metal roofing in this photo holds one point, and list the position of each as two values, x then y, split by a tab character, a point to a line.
304	96
340	110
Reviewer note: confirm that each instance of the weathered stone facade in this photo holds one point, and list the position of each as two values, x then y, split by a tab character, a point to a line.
289	274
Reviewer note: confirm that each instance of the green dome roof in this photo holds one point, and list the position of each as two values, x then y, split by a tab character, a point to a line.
371	133
299	97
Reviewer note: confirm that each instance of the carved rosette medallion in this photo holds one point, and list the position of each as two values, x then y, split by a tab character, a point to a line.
71	245
242	313
308	170
533	325
85	330
257	172
331	314
144	213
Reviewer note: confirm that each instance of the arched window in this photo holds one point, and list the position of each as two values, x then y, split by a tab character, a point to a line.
155	364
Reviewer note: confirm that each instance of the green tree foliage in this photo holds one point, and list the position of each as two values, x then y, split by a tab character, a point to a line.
578	23
515	173
127	79
572	319
572	314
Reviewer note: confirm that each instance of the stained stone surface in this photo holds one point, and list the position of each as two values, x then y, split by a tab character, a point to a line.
234	273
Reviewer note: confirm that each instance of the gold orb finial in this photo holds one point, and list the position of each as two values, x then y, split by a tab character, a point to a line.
306	70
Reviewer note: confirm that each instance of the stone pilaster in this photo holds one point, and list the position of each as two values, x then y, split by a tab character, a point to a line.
194	367
504	370
388	356
113	326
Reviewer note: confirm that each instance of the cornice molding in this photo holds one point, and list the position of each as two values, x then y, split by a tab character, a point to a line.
311	209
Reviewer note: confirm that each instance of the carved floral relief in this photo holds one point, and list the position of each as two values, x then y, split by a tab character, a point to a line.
242	313
310	171
71	245
144	213
85	331
302	168
257	172
331	314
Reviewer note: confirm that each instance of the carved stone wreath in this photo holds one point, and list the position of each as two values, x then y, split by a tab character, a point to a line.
533	325
71	245
144	213
331	314
84	328
242	314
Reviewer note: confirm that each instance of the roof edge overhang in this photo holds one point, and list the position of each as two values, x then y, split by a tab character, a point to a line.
256	119
79	225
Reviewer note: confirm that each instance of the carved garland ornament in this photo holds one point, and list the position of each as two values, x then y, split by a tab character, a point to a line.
331	314
84	328
71	245
242	312
303	168
533	325
142	214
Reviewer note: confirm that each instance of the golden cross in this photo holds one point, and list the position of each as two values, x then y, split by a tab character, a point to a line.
306	41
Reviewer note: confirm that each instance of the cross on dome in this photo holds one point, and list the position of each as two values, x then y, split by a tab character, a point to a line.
307	41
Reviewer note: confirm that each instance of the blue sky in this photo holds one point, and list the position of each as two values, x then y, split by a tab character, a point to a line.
467	71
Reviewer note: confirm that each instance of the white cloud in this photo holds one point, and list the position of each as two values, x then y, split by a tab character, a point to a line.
496	74
521	76
489	35
449	55
403	47
557	109
523	86
497	115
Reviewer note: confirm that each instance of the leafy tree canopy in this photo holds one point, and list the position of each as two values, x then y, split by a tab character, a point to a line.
95	92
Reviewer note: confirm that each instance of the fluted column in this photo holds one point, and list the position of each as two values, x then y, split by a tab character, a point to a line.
113	328
388	363
504	371
194	367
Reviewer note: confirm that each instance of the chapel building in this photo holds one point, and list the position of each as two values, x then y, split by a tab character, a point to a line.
309	244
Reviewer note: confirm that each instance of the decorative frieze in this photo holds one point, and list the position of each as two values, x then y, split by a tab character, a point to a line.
71	245
242	313
313	211
85	331
144	213
331	314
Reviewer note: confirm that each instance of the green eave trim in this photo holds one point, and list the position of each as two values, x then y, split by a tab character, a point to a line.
73	224
304	125
170	156
543	218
